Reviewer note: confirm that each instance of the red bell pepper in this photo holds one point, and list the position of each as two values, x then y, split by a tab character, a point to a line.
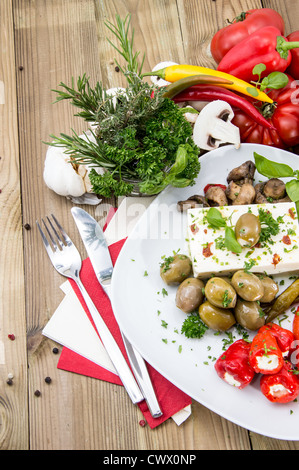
245	24
285	338
233	365
265	46
265	357
293	68
211	185
282	387
210	93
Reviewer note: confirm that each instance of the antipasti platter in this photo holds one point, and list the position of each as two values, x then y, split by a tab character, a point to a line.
146	310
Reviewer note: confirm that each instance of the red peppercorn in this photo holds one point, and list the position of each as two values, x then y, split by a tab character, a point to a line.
11	337
142	423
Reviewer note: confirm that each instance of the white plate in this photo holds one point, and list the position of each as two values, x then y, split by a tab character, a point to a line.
142	310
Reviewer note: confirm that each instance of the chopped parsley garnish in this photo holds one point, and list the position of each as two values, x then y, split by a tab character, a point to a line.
193	326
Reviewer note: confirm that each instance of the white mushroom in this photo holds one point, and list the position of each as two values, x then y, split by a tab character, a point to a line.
66	179
157	80
213	126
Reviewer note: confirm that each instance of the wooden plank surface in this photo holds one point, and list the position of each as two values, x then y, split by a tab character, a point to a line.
48	42
13	398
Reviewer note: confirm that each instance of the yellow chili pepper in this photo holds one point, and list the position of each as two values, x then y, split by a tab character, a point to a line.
177	72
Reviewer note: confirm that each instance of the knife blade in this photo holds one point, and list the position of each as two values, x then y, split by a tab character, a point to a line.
97	249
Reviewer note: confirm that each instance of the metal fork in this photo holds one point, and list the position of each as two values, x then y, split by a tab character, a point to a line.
67	261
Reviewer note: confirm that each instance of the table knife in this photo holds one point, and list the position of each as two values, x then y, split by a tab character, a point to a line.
97	249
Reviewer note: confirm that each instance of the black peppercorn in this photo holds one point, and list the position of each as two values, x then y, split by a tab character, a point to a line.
48	380
55	350
37	393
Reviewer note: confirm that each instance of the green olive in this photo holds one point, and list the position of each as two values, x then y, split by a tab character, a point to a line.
248	229
270	288
220	293
247	285
219	319
175	269
249	315
190	294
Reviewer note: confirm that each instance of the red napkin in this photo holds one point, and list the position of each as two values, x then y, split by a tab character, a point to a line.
171	399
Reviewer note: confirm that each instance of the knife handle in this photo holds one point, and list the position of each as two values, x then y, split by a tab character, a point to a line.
112	348
142	376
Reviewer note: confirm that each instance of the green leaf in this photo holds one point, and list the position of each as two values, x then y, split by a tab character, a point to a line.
215	218
258	69
252	91
274	80
292	189
231	242
272	169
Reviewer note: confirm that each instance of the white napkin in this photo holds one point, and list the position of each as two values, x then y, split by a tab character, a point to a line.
70	328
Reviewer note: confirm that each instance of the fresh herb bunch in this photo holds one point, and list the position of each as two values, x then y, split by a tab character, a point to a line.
139	135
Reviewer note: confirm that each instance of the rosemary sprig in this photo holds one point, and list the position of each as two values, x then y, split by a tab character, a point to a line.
121	32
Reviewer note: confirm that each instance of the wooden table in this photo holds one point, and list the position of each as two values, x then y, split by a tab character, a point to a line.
43	43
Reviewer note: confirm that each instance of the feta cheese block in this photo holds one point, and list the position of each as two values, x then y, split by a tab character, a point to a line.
275	252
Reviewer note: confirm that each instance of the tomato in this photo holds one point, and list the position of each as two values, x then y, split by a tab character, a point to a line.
245	24
293	68
284	116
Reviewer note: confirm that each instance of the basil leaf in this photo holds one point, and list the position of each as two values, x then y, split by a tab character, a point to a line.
231	242
271	169
292	189
215	218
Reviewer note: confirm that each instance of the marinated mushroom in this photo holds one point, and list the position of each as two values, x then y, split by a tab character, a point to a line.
216	196
247	285
248	229
271	190
190	294
270	288
192	202
243	173
175	269
249	314
220	293
219	319
240	194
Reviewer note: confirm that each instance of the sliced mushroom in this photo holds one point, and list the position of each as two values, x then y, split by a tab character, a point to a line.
213	126
216	196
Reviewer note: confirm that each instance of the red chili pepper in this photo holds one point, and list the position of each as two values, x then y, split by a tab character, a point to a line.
265	356
246	23
282	387
233	365
265	46
285	338
210	93
208	186
293	68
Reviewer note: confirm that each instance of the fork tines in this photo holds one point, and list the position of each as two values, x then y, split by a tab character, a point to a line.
62	239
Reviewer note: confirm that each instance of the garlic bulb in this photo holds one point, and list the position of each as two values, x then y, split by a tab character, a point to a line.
66	179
